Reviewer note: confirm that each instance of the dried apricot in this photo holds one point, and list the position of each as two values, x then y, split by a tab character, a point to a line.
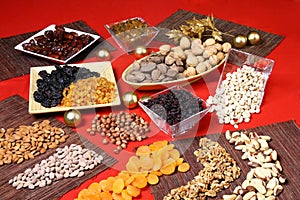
140	181
117	196
85	194
118	185
143	150
157	173
152	179
133	191
168	169
125	195
129	180
179	161
184	167
106	196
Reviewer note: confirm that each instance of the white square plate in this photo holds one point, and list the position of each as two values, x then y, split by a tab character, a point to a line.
52	27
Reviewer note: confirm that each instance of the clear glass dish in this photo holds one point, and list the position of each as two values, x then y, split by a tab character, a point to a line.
239	59
181	127
132	33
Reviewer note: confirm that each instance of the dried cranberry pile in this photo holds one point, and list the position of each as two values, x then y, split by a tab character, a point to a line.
51	86
58	44
175	105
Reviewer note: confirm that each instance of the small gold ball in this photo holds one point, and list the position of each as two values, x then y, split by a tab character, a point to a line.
72	118
140	51
239	41
103	54
253	37
130	99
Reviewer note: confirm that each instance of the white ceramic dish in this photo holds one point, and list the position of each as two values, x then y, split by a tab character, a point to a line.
52	27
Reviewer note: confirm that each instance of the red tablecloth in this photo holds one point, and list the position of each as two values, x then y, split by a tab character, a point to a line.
282	98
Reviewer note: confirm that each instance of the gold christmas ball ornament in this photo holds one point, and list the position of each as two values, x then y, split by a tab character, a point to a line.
130	99
239	41
140	51
103	54
72	118
145	98
253	37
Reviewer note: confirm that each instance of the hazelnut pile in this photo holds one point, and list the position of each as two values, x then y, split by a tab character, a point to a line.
119	129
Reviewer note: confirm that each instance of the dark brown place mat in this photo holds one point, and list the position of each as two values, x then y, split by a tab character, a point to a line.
285	140
268	40
14	112
14	63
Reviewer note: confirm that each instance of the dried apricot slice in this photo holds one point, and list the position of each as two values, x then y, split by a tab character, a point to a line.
106	196
117	196
157	173
152	179
140	181
143	150
125	195
118	185
184	167
85	194
179	161
133	191
168	169
129	180
95	189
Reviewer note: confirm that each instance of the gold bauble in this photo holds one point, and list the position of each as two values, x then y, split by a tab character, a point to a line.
253	37
130	99
72	118
103	54
239	41
145	98
140	51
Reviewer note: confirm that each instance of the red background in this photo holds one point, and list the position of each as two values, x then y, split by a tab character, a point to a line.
282	98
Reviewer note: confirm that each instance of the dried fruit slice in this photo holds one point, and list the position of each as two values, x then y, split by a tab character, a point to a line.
106	196
179	161
174	153
118	186
129	180
131	167
140	181
168	169
133	191
125	195
143	150
85	194
184	167
117	196
147	163
152	179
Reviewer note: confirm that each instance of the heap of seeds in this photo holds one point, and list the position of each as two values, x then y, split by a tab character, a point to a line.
70	161
219	170
265	177
27	142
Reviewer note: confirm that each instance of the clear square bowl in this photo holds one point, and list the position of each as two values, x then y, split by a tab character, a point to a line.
239	59
181	127
133	36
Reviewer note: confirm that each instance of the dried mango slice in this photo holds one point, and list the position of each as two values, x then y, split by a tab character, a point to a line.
155	146
184	167
168	169
125	195
152	179
147	163
140	181
118	185
174	153
133	191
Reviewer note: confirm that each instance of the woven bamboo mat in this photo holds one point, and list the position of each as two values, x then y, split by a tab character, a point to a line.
285	140
14	63
14	112
269	40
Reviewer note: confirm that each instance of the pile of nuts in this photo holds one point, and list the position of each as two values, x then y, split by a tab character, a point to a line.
58	44
51	85
219	170
265	177
120	128
172	63
90	91
238	96
175	105
70	161
27	142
